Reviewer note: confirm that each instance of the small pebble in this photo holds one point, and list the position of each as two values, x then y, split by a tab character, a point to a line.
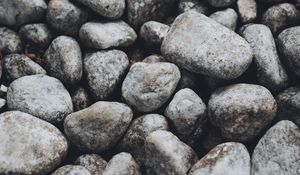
10	41
94	163
153	33
227	18
247	10
81	99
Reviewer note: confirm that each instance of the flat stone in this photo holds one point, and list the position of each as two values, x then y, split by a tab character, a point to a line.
94	163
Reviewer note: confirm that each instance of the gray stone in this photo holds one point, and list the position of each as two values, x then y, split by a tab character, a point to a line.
247	10
18	65
98	127
63	60
220	3
227	18
148	86
122	164
223	53
187	113
71	170
153	33
104	70
19	12
10	41
65	17
241	111
227	158
154	59
40	95
80	99
278	151
166	154
270	71
94	163
104	35
196	5
29	145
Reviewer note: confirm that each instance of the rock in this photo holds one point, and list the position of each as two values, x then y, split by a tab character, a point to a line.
71	170
104	70
18	65
227	18
65	17
247	10
10	41
104	35
166	154
227	158
220	3
80	99
98	127
29	145
280	16
278	151
148	86
41	96
141	11
241	111
223	53
187	113
154	59
112	9
63	60
19	12
38	35
270	71
92	162
153	33
289	44
136	134
288	105
2	103
198	6
122	164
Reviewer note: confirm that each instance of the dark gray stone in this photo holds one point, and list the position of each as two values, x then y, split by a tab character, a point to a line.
80	99
153	33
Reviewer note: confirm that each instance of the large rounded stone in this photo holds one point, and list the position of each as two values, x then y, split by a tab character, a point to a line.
92	162
10	41
71	170
29	145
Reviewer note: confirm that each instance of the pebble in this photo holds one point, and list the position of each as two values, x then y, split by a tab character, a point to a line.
63	60
29	145
81	99
10	41
99	127
148	86
104	71
198	6
241	111
41	96
71	170
104	35
152	33
220	3
247	10
154	59
192	31
227	18
94	163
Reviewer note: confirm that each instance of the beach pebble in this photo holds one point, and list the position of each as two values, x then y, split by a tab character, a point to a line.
81	99
227	18
247	10
153	33
94	163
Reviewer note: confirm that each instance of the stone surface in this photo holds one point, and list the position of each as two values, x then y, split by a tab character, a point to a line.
71	170
223	53
187	113
29	145
154	59
98	127
94	163
63	60
247	10
198	6
241	111
2	103
227	158
227	18
220	3
80	99
10	41
40	95
148	86
153	33
278	151
104	35
104	70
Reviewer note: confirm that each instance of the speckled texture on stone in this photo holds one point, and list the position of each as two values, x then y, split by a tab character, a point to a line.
227	18
104	35
40	95
104	70
10	41
196	5
29	145
241	111
278	151
81	99
148	86
199	44
71	170
227	158
247	10
153	33
98	127
220	3
94	163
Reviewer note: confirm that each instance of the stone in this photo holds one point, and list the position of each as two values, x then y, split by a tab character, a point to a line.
80	99
94	163
2	103
19	12
154	59
220	3
104	35
104	71
247	10
19	65
29	145
166	154
63	60
270	71
71	170
278	150
10	41
65	17
227	18
41	96
198	6
153	33
241	111
148	86
223	53
187	113
99	127
227	158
